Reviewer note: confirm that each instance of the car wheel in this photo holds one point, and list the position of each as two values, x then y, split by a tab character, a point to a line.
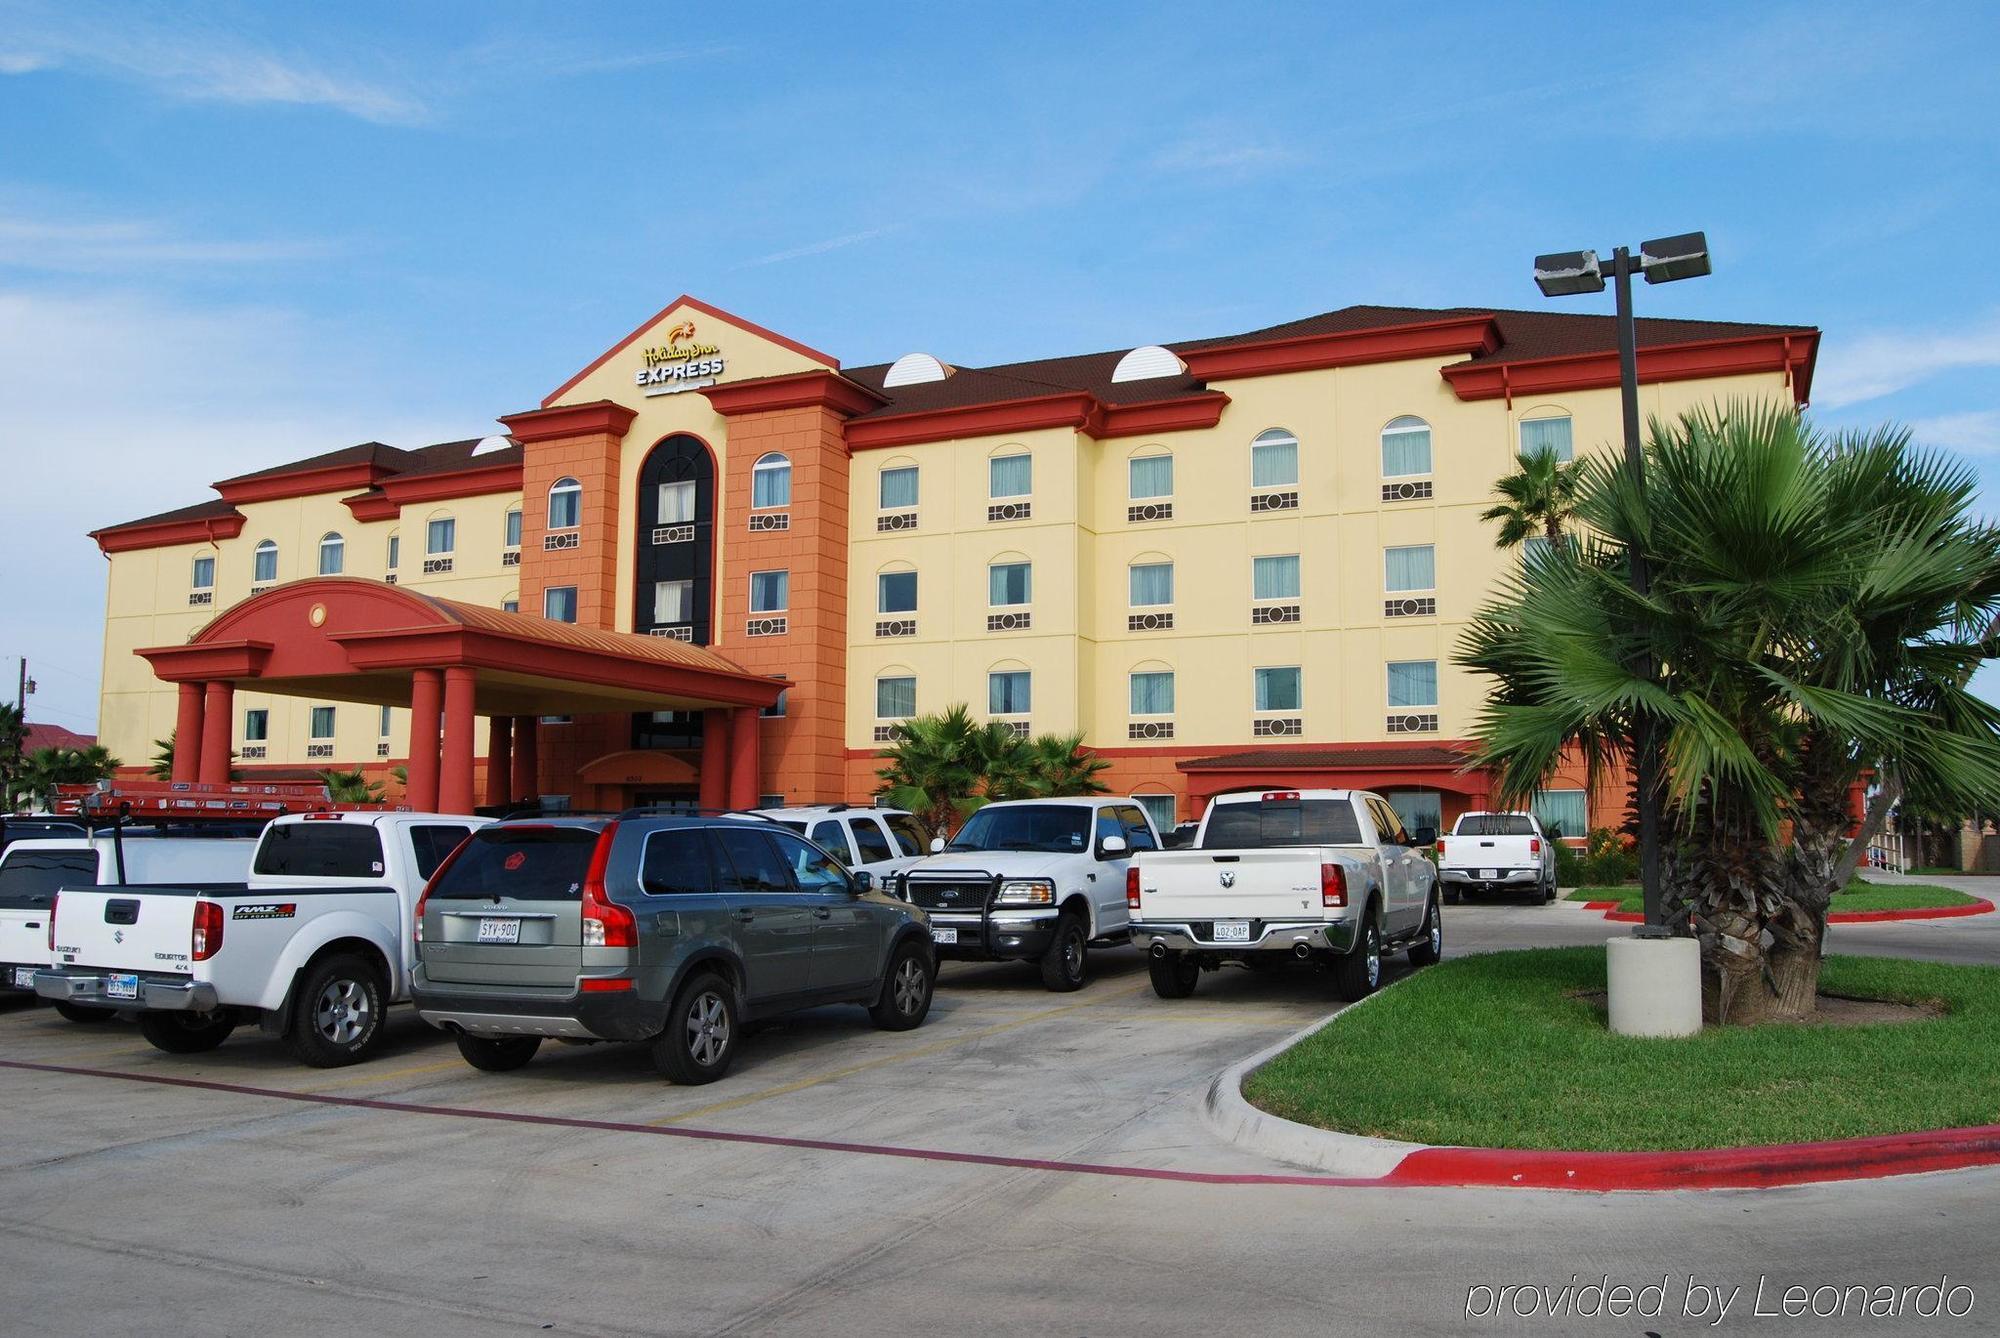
1174	975
80	1013
1549	890
186	1033
1359	969
1429	946
336	1014
905	1000
497	1054
1065	966
700	1040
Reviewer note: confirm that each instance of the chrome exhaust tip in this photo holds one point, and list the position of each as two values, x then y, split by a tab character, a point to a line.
1302	950
1159	948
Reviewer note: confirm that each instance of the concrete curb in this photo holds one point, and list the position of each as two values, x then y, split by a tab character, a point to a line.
1980	906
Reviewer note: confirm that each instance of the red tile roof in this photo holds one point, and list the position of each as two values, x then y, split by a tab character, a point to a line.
55	736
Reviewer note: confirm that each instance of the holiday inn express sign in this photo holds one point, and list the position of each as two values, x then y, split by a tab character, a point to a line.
682	363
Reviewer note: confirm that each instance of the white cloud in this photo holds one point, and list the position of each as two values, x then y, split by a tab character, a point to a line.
818	248
96	245
1882	363
1220	151
1974	433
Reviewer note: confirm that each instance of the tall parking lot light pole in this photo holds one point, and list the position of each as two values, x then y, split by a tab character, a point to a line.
1566	274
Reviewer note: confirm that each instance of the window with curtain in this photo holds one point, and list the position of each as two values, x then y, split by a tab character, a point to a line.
895	698
441	536
770	591
382	721
771	481
1410	568
332	555
256	725
1274	459
673	601
1561	812
1009	583
1536	545
1152	583
395	550
1406	447
1417	808
1010	476
322	722
1275	577
559	603
204	573
1413	683
896	592
1160	808
1548	434
512	537
899	488
677	503
1278	689
1153	692
264	562
511	604
1152	476
565	504
1008	692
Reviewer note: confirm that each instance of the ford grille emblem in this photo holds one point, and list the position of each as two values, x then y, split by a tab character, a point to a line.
1228	877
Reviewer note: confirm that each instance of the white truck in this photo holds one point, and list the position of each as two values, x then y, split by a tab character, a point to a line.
312	948
1497	852
1038	880
1326	876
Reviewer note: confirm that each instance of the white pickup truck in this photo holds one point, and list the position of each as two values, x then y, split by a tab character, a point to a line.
1497	852
1327	876
313	947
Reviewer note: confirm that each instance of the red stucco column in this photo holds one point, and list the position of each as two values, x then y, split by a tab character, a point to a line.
714	759
744	732
499	758
426	700
455	764
527	784
187	734
217	716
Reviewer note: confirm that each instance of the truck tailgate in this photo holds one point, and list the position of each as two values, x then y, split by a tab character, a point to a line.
1488	852
24	940
126	928
1229	884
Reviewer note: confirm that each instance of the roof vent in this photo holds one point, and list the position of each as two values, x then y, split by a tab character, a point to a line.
914	369
488	445
1147	363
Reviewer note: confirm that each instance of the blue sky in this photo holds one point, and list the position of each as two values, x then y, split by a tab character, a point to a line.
236	234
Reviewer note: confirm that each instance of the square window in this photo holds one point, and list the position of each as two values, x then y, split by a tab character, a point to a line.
899	488
1152	584
383	720
1160	808
513	536
256	725
1153	693
1010	476
1275	577
1409	568
1009	692
1278	689
677	503
322	723
895	698
441	537
1413	683
559	603
1548	434
896	592
204	573
673	601
1152	476
775	709
1561	812
1009	583
770	591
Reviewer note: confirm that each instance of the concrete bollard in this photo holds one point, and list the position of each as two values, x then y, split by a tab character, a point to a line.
1654	986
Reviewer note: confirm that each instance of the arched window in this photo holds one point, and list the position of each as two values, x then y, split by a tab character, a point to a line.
264	563
511	534
895	695
395	549
1274	459
1406	447
1011	474
771	481
332	555
1548	430
1009	689
1152	582
440	536
565	504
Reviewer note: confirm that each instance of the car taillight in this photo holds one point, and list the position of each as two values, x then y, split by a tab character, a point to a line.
606	924
1332	885
206	939
1534	845
52	920
1440	847
1131	889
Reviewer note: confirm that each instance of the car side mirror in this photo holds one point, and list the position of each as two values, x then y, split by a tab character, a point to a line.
1113	846
864	881
937	845
1425	836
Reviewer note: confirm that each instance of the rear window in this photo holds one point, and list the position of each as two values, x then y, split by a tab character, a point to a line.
1494	824
532	863
320	850
27	877
431	844
1281	822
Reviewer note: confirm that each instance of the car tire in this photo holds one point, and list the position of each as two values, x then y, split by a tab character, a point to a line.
497	1054
1174	975
1429	946
1066	964
1358	971
907	986
186	1033
76	1012
1453	897
336	1013
1549	890
703	1025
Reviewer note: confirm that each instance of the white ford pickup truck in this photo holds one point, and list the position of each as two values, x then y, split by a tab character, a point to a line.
1327	876
313	947
1498	852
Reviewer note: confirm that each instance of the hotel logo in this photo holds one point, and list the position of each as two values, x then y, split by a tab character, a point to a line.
682	363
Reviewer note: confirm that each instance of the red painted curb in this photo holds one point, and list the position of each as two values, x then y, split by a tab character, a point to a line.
1980	906
1601	905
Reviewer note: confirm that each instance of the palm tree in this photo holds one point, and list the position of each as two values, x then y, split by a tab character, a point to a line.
1818	604
1058	766
352	787
1540	497
163	759
46	768
13	736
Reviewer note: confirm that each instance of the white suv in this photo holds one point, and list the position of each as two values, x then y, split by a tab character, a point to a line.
879	841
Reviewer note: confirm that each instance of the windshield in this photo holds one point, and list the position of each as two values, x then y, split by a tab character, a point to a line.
1281	822
27	877
1494	824
1055	829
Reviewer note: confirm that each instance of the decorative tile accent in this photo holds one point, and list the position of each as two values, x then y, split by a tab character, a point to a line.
200	598
381	750
511	558
895	521
896	627
1150	729
561	539
319	750
1009	511
437	566
1140	512
885	733
1416	491
268	585
1018	728
390	579
1425	722
770	520
1009	622
251	752
678	632
766	627
1149	622
1418	607
673	534
1274	501
1261	614
1276	728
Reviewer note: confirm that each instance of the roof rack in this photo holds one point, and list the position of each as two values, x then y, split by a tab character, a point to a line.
188	801
678	811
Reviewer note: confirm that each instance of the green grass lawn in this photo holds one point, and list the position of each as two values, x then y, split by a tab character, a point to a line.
1491	1051
1858	896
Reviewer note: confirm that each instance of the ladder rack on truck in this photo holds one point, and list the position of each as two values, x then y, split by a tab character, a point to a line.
138	801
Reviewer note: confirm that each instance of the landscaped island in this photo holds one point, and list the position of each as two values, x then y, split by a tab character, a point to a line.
1855	897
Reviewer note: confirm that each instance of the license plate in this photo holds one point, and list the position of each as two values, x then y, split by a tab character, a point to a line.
944	936
499	931
24	977
121	987
1232	931
1489	873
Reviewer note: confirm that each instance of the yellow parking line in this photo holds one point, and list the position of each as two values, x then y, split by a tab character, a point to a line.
680	1117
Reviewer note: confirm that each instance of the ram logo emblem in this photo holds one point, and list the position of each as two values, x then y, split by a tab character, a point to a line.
1228	877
